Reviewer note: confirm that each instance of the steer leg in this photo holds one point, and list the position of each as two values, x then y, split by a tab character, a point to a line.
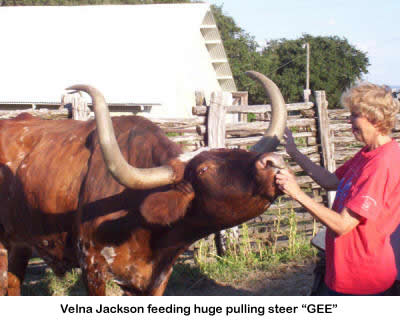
3	270
17	263
164	270
95	284
158	290
93	276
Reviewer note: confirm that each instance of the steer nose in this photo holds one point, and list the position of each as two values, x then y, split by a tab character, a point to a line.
271	159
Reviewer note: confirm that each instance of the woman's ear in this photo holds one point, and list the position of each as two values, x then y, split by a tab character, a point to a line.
168	207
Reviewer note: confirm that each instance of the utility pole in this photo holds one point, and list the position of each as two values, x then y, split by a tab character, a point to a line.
307	91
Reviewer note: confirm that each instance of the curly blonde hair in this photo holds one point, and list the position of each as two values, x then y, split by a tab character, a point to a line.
373	102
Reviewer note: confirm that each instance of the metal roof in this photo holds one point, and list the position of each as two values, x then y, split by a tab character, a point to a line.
135	54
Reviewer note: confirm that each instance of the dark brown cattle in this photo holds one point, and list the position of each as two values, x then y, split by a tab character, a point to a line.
118	199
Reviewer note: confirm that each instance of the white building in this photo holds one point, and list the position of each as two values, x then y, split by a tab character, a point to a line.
142	57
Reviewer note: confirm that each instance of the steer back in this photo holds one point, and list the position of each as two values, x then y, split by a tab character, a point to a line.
42	167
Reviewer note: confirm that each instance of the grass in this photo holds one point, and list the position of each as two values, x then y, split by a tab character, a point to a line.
48	284
239	261
69	285
247	255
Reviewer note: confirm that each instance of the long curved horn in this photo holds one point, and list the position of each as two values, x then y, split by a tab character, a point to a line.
274	133
121	170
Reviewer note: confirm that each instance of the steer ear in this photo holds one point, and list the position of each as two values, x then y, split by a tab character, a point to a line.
167	207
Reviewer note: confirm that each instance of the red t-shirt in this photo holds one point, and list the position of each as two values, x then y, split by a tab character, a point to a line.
362	261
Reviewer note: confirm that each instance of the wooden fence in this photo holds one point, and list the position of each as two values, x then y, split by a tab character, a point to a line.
323	134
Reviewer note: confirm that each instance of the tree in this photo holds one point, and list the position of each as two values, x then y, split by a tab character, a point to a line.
334	66
334	63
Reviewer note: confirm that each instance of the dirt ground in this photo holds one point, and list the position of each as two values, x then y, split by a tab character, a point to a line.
293	279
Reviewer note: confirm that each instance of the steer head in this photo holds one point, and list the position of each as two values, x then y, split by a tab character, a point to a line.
211	190
221	188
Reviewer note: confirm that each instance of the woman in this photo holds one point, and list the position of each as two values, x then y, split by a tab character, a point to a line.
366	211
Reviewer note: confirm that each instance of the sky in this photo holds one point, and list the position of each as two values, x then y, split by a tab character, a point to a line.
371	26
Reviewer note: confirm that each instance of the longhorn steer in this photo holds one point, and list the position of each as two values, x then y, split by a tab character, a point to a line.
118	199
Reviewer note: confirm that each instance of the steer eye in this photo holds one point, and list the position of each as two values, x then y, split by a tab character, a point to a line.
202	170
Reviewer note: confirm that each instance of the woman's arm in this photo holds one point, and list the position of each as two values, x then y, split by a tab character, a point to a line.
340	223
320	175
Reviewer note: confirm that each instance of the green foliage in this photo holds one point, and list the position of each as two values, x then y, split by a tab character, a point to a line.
334	66
334	63
66	285
248	255
245	257
48	284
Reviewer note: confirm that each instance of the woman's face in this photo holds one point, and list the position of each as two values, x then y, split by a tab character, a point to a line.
363	130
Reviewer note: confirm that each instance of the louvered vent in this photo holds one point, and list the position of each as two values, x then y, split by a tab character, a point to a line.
217	53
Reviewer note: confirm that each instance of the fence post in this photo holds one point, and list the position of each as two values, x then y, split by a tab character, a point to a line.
77	104
216	130
241	98
216	127
326	138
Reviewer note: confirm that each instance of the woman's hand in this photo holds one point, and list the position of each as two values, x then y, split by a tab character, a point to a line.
290	145
286	181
